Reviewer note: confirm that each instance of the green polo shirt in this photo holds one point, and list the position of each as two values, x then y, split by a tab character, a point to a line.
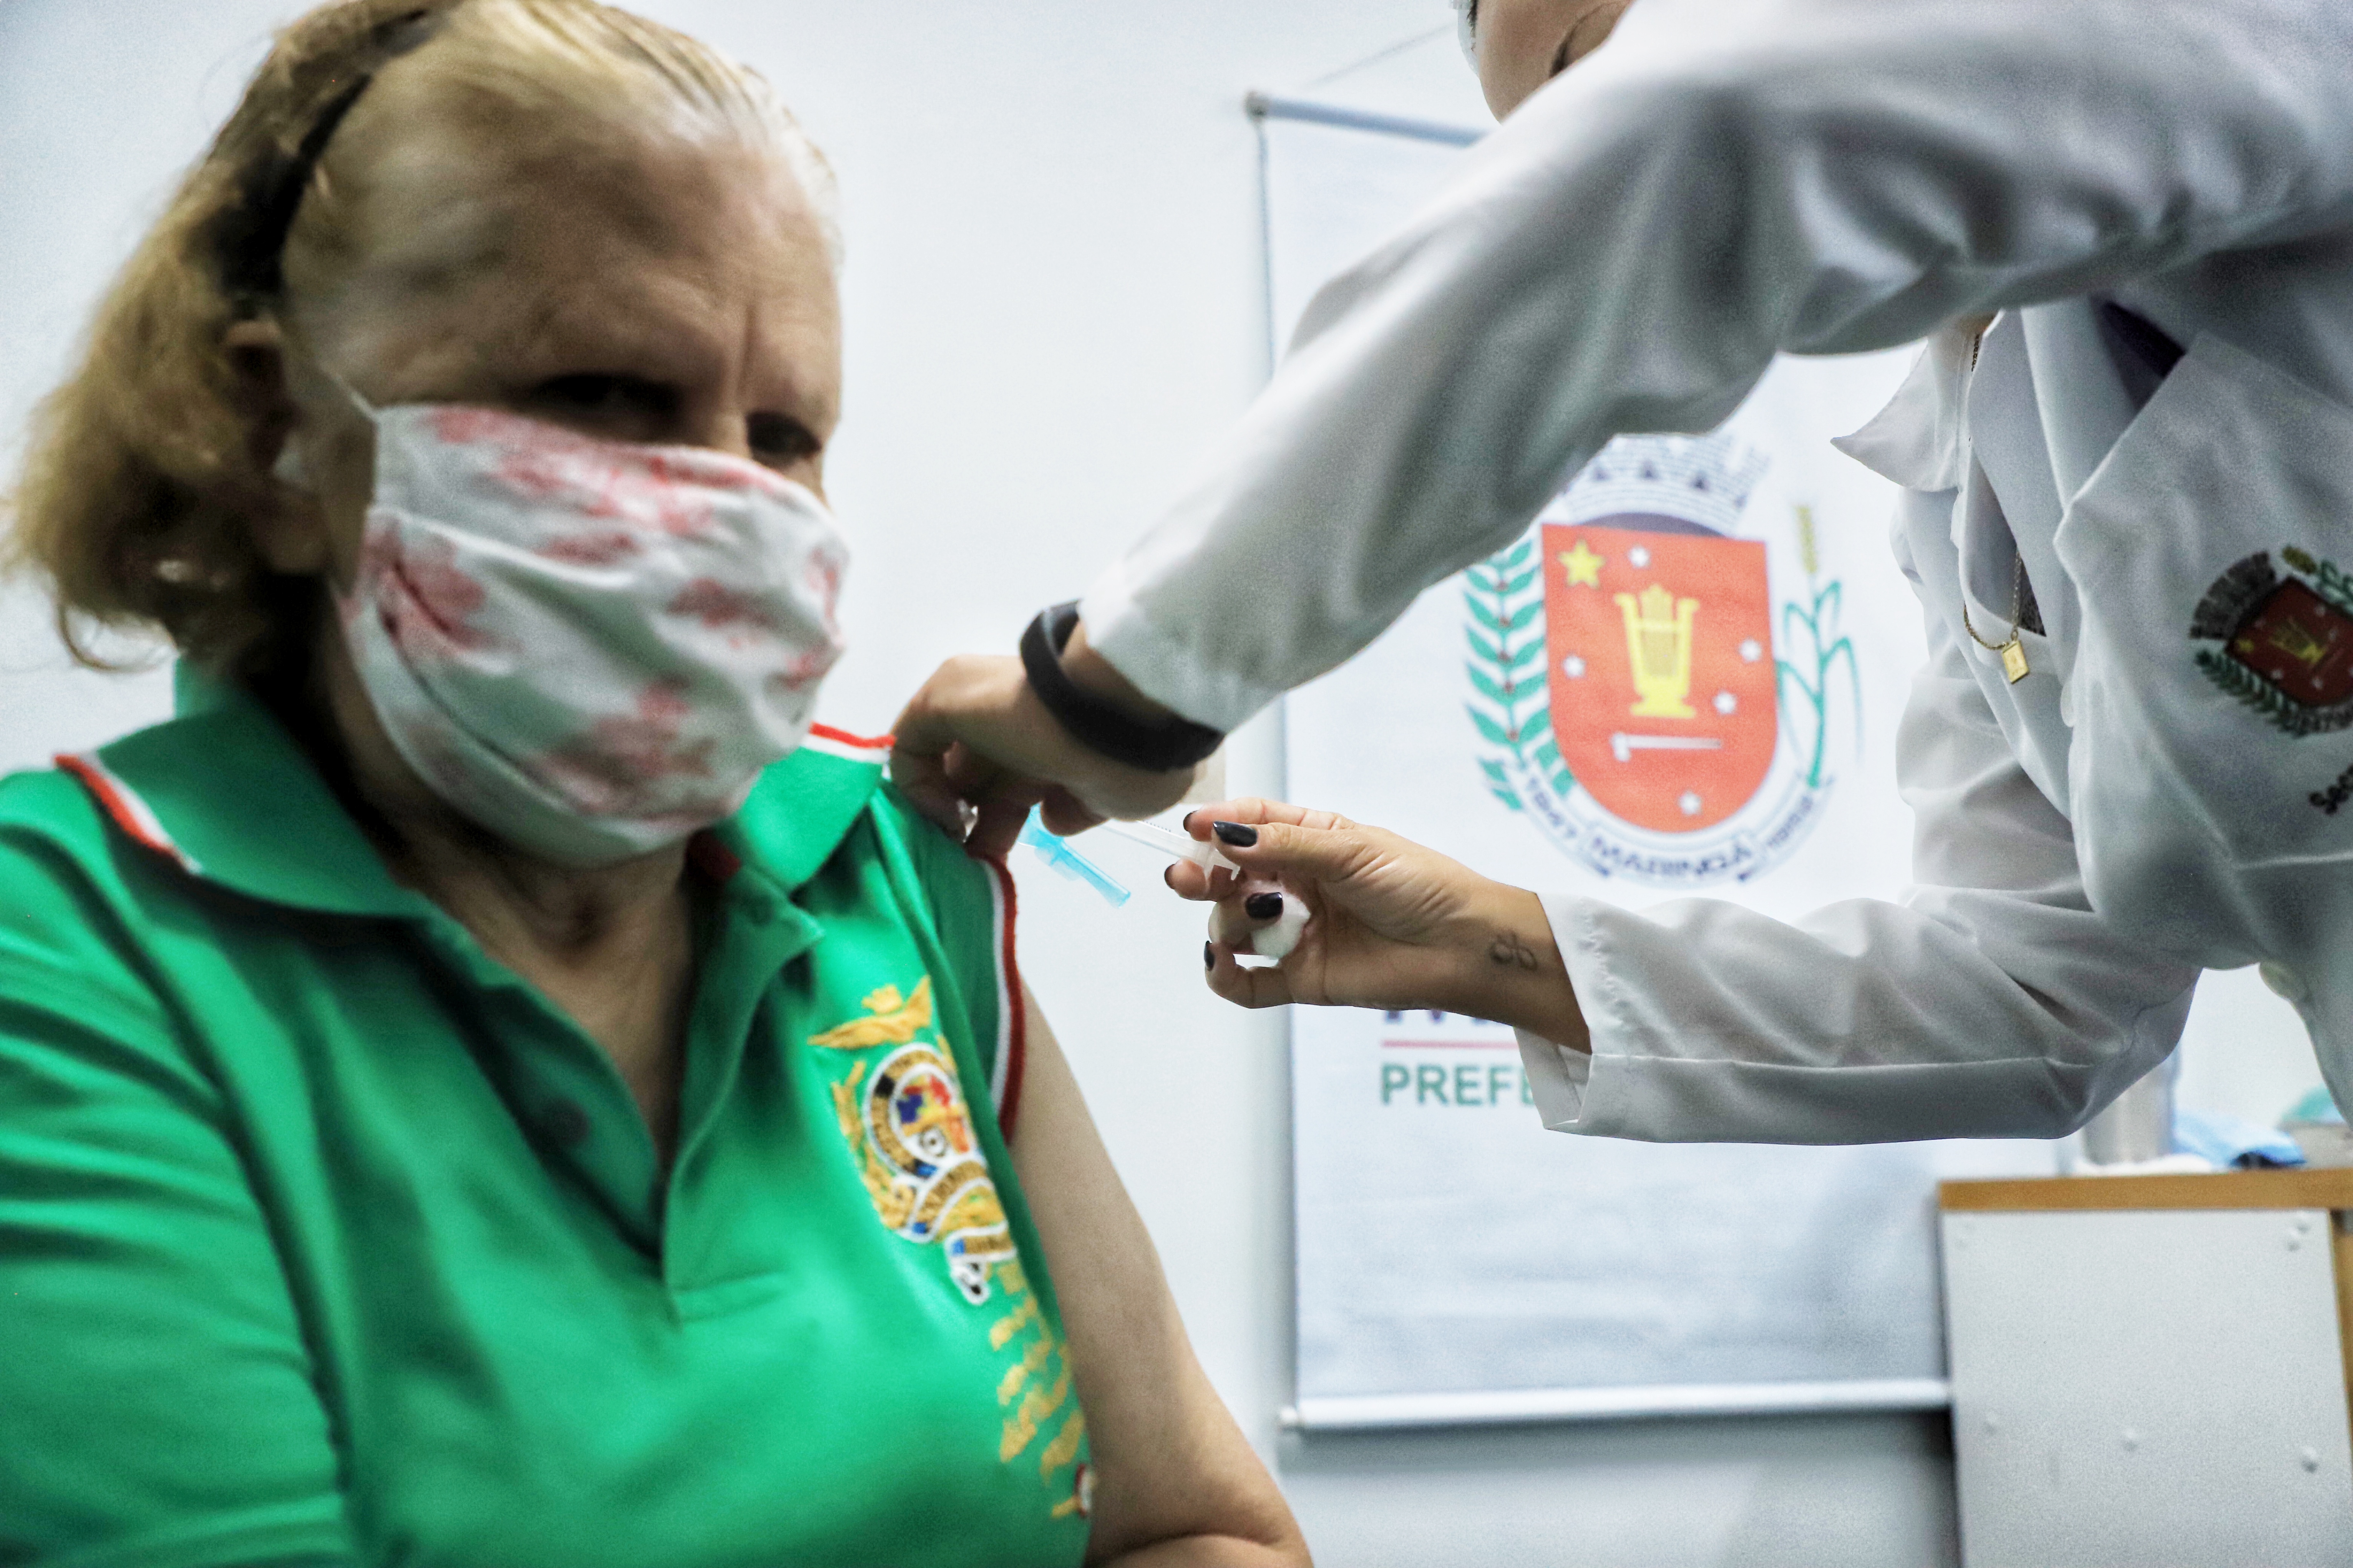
325	1238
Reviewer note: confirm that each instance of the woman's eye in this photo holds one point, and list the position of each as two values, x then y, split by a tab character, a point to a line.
616	398
780	439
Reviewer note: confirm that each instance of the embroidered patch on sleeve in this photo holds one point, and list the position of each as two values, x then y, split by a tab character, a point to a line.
2286	641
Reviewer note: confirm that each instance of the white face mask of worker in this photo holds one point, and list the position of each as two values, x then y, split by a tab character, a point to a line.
589	648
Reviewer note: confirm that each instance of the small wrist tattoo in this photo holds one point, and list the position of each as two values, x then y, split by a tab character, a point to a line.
1509	951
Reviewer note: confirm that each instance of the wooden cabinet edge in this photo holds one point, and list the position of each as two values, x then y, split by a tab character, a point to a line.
2330	1188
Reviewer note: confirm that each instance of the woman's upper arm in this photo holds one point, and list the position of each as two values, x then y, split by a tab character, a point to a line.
160	1408
1176	1480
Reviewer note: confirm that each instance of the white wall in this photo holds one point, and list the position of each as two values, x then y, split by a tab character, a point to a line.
1054	305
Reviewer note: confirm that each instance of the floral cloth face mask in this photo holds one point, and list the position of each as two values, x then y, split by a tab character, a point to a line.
590	647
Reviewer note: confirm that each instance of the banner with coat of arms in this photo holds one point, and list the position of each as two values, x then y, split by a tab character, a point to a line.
1650	739
1683	680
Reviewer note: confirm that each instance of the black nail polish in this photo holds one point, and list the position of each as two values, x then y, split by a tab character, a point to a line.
1236	833
1209	955
1187	823
1263	906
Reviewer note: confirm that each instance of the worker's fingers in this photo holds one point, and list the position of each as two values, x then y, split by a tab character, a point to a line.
923	778
930	722
930	761
1277	852
1251	810
1254	812
997	827
970	774
1244	987
991	801
1066	814
1199	883
1251	908
976	719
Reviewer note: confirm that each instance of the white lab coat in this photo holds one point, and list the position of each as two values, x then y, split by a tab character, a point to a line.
1726	181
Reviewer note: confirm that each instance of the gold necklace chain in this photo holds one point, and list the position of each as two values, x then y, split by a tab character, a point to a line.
2013	652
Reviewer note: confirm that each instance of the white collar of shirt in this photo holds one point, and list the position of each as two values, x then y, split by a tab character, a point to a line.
1920	439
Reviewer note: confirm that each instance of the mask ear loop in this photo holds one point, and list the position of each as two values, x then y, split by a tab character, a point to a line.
292	467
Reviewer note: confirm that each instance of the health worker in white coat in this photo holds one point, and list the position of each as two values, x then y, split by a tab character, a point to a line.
2125	229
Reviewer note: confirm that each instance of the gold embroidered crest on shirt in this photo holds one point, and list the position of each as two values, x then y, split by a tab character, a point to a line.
1040	1380
906	1121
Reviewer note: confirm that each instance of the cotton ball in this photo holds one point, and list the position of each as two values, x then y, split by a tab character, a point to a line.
1276	941
1268	944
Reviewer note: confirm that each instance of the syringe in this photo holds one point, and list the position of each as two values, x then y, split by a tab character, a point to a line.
1176	846
1057	852
1273	941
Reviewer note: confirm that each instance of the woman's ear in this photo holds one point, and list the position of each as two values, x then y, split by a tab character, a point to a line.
290	529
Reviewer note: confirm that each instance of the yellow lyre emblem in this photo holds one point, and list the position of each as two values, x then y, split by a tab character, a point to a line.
2299	643
1659	651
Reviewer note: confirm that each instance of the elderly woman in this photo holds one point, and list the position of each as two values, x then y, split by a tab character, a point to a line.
488	1082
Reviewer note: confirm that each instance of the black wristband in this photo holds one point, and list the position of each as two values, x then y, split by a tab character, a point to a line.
1094	723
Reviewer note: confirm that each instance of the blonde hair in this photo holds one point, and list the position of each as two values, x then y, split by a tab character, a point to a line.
142	472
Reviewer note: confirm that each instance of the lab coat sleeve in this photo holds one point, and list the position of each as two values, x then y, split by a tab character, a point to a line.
1991	1002
1627	254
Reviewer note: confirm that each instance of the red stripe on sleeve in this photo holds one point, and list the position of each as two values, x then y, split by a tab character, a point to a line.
128	812
844	738
1016	1043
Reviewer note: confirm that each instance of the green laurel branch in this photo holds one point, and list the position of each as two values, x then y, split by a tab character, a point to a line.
1827	650
1511	710
2239	683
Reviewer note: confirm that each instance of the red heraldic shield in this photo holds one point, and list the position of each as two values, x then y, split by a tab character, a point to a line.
1660	655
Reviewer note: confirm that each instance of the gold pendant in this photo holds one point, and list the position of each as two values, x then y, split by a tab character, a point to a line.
2013	660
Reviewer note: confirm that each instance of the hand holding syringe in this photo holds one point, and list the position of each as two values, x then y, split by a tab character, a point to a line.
1273	941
